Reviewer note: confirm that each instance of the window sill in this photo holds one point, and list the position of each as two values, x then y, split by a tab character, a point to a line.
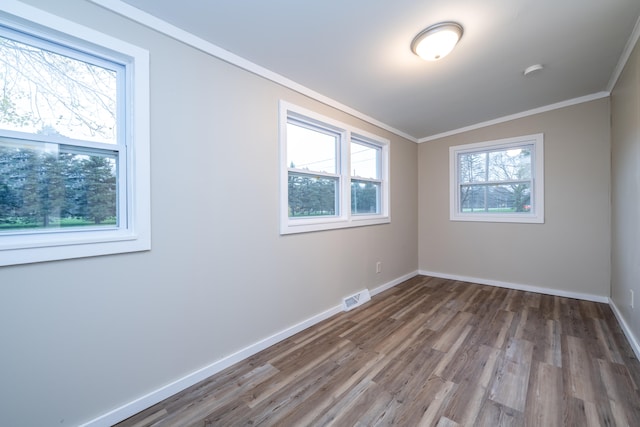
294	226
514	218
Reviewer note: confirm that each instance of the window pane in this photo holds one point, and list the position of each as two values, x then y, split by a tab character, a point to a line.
52	94
365	197
501	198
45	186
312	195
309	149
472	167
512	164
365	161
501	180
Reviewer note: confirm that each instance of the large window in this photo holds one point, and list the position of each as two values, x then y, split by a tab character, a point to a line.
74	174
333	176
500	181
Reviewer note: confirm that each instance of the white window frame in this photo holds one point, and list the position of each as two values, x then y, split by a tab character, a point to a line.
379	181
343	217
133	232
536	215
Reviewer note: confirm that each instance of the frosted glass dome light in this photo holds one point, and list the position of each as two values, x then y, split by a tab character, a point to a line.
437	41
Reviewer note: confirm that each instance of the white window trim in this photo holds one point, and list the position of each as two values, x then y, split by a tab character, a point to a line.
344	219
135	235
537	193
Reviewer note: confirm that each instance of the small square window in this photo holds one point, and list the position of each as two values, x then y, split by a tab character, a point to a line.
498	181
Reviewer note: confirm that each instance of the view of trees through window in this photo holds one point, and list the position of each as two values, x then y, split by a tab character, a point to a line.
496	181
313	163
312	196
365	177
55	188
314	172
58	163
365	197
332	175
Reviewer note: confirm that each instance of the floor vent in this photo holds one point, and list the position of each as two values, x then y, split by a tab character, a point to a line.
356	300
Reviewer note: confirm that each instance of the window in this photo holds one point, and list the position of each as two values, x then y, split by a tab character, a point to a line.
366	177
332	175
499	181
74	173
314	178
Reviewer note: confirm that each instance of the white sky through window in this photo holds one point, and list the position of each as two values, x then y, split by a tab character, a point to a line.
308	149
365	161
45	92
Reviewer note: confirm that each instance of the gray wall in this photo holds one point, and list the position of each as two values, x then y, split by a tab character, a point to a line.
625	140
82	337
570	251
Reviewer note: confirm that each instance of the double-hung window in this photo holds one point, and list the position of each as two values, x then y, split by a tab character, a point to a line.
74	167
332	175
313	159
498	181
366	177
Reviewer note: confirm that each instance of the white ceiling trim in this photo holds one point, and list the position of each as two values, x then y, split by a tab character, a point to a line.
567	103
192	40
626	53
196	42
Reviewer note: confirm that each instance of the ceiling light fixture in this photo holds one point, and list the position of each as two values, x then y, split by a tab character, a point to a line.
436	41
532	69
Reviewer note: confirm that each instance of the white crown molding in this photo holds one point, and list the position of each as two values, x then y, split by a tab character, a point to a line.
626	53
150	21
192	40
551	107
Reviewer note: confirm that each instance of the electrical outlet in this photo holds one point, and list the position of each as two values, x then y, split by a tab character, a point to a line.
631	297
378	266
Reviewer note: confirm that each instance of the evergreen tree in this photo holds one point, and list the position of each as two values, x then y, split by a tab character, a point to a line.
8	196
43	191
310	196
55	96
100	185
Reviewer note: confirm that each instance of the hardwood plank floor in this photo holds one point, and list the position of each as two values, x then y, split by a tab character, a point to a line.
429	352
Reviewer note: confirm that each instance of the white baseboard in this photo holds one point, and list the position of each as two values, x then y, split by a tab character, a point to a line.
394	282
177	386
156	396
519	287
633	341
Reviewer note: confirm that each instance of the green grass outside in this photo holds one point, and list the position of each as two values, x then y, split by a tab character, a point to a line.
20	224
492	210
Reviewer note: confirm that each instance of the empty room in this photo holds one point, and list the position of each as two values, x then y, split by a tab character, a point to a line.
296	213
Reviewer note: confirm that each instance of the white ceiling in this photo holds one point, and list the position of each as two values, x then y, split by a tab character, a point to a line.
357	52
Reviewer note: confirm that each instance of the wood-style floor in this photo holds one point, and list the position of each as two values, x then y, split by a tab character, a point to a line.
430	352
